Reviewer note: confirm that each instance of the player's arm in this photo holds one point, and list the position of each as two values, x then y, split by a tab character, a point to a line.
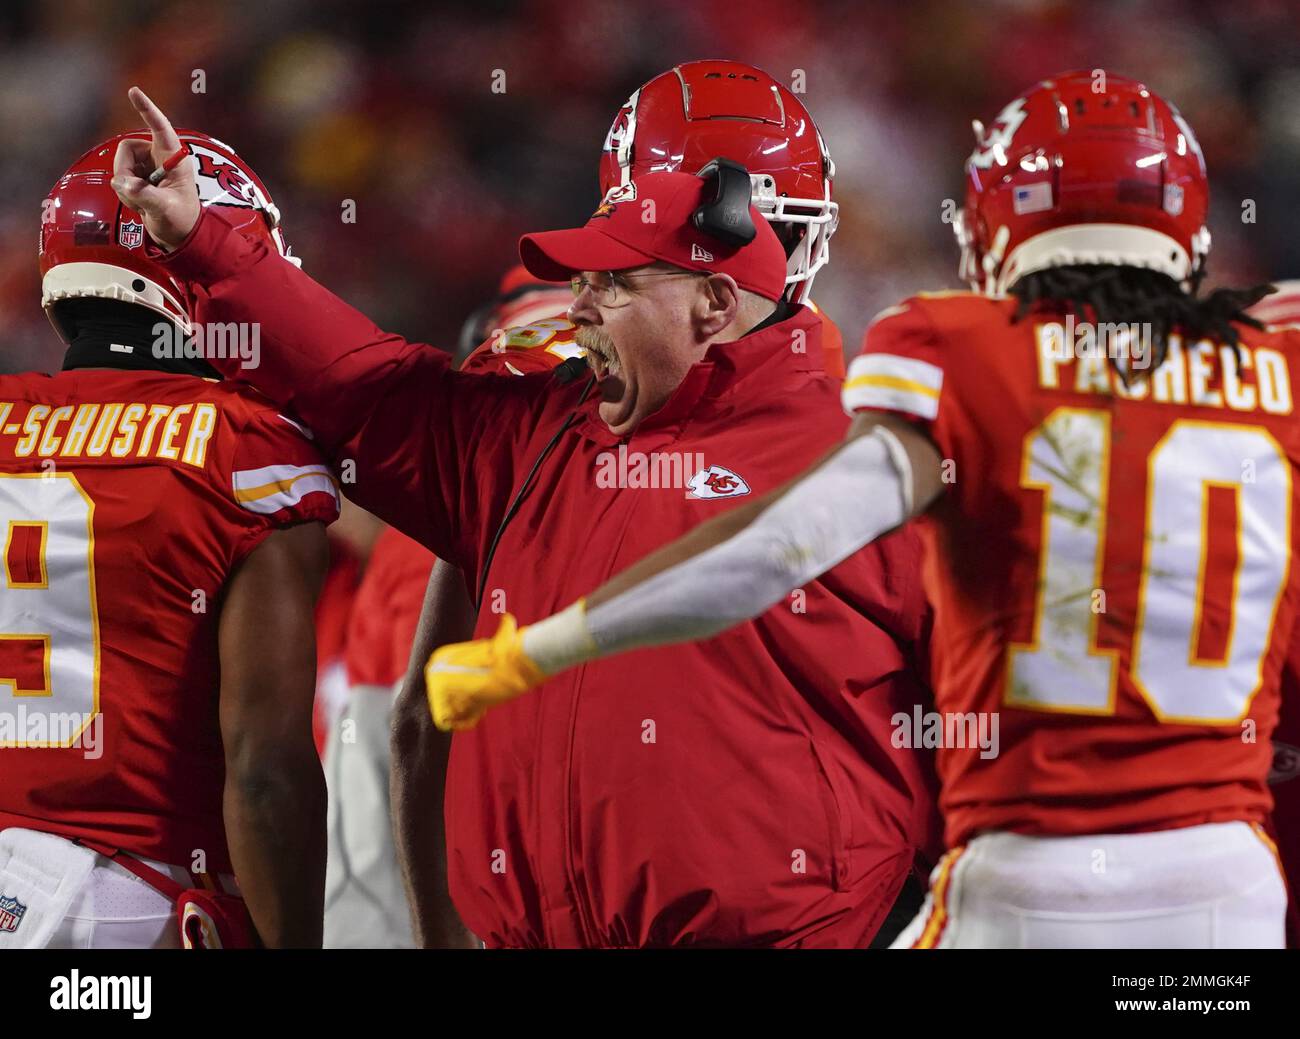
417	781
275	790
390	415
724	572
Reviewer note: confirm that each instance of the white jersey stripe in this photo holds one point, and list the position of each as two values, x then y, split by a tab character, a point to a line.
275	487
894	383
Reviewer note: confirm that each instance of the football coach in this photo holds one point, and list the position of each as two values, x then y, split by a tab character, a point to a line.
738	791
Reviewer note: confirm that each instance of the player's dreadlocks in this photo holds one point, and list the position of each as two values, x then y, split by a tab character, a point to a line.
1108	293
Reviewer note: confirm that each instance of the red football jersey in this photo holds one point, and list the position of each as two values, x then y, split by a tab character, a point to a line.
334	606
127	499
381	626
832	343
546	344
1109	565
522	350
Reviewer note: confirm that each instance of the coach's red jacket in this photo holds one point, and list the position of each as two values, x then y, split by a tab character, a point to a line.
742	790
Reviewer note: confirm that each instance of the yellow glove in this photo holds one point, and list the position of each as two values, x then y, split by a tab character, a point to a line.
464	679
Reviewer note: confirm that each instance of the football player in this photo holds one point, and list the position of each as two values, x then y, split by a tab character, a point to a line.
1104	458
365	905
164	540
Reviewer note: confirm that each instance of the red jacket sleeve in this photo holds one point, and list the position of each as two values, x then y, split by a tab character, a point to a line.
397	424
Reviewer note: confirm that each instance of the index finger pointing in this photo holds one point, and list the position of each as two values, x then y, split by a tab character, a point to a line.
165	141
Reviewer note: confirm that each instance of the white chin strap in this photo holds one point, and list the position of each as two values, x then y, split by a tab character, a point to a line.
1123	245
83	280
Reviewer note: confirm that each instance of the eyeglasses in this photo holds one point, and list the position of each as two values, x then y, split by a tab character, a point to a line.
613	289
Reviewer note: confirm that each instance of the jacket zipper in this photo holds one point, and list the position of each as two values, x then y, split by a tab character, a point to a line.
581	897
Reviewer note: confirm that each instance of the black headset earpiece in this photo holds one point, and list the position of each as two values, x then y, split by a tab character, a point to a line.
726	215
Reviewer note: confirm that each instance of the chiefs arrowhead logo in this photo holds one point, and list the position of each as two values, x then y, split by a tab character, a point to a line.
623	129
993	145
222	183
717	482
618	193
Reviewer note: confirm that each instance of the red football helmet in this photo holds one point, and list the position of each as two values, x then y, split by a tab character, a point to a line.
1084	168
522	303
523	299
92	245
705	110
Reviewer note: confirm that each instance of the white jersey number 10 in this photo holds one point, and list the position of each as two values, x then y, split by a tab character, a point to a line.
1067	458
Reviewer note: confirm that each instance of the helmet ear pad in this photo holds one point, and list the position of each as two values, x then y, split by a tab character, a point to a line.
725	216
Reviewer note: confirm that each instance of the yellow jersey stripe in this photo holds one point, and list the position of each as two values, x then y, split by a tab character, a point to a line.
892	382
283	486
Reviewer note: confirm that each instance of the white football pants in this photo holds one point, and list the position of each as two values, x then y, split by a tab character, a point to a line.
1217	886
75	898
365	899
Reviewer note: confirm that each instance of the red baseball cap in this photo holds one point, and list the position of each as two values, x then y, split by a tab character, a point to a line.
650	219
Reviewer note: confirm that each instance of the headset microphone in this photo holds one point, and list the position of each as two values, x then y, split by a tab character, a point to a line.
573	368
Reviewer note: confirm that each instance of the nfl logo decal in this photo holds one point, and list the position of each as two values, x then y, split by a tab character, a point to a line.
130	235
1174	199
11	913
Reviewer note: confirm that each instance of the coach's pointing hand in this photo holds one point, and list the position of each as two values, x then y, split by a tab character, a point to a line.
171	207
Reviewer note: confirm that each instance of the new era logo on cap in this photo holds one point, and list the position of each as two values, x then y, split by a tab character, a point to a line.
700	254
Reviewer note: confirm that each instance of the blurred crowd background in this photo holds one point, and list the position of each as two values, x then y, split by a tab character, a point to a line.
390	104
